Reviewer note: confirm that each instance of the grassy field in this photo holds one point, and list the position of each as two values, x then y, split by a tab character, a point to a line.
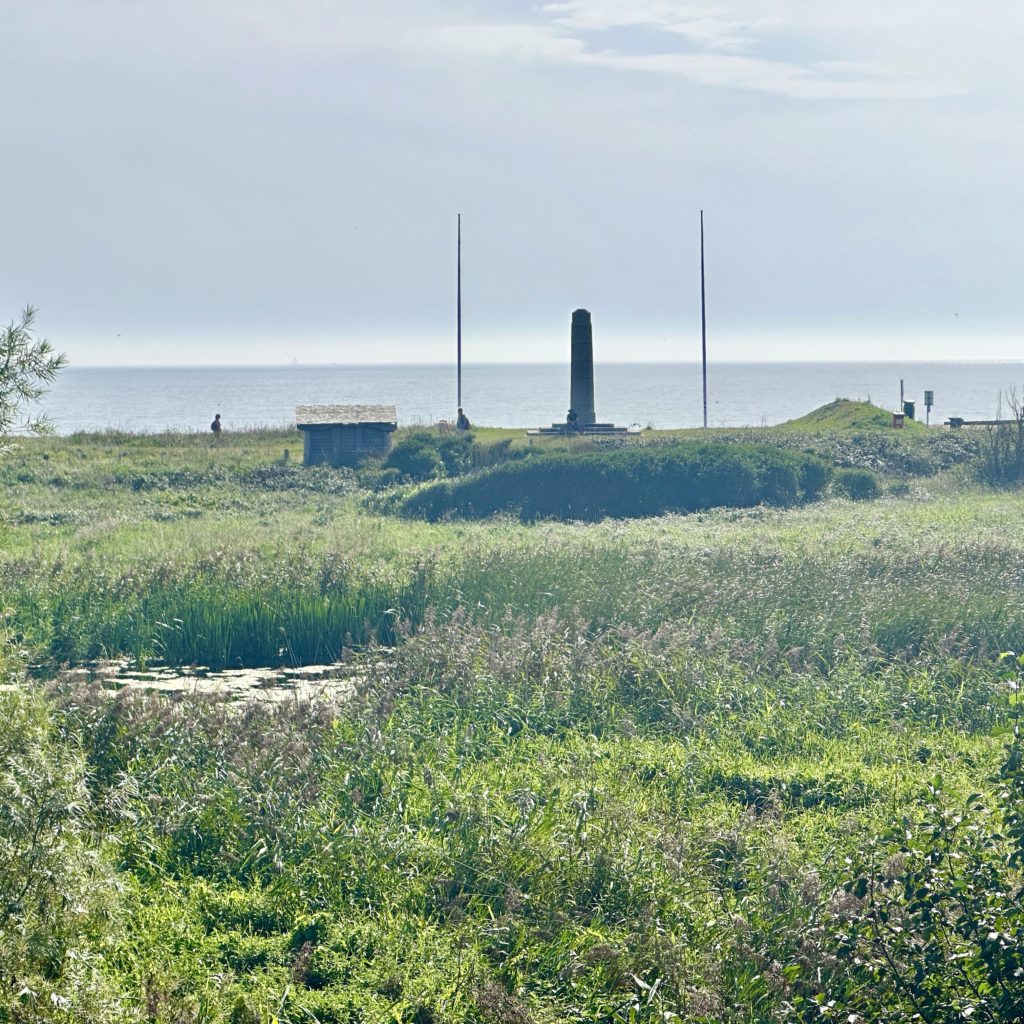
738	766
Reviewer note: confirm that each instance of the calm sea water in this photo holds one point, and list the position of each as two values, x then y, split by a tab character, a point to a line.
660	395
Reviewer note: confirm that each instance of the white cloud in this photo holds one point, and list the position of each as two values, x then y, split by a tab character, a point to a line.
801	50
714	60
701	23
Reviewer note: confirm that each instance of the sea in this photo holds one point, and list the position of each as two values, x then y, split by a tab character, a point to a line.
661	395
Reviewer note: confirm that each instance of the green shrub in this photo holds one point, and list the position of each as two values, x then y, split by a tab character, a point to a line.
627	482
814	477
1001	463
427	454
456	451
312	930
415	457
856	484
957	952
57	894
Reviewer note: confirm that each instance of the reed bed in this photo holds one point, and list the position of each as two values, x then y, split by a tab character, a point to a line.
893	579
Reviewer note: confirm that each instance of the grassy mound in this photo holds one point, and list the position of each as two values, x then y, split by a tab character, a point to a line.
844	414
627	483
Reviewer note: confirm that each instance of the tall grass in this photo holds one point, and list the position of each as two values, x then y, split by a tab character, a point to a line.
896	580
200	617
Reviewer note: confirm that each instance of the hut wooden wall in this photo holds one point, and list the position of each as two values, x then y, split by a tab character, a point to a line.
340	443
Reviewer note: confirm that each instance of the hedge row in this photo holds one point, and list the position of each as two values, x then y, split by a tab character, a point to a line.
627	483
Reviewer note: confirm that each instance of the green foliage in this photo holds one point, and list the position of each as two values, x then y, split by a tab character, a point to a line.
374	478
814	475
57	895
626	483
416	457
934	925
221	615
420	455
27	365
888	453
456	451
856	484
1001	463
426	454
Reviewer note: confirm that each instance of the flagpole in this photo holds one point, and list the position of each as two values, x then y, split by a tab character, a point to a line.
703	323
458	312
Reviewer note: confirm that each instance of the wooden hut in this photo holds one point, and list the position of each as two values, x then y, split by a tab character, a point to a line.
342	434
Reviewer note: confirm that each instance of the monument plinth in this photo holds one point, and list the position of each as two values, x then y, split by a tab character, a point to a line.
581	418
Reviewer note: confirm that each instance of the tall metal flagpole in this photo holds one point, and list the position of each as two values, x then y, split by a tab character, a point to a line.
458	311
703	323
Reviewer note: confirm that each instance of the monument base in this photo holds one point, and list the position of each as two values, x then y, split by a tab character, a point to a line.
591	429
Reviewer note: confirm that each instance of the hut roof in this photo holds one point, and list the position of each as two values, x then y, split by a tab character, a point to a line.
321	415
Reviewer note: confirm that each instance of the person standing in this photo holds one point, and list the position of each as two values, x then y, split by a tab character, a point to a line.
216	427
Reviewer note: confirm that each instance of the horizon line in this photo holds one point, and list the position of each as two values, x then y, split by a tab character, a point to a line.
990	361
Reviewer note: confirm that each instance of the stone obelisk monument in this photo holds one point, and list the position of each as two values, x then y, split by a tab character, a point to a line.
581	417
581	379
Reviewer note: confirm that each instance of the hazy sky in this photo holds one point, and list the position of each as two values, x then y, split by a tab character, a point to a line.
266	180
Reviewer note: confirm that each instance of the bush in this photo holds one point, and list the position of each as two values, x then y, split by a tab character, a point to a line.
855	484
814	477
416	458
427	454
1002	454
949	881
627	483
57	894
456	451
